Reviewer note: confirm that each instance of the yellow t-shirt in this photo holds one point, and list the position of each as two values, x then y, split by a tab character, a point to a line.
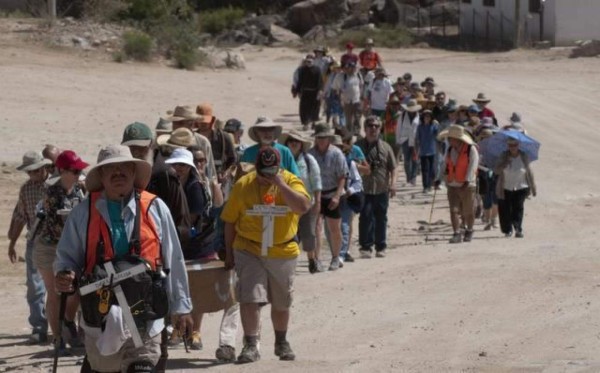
246	193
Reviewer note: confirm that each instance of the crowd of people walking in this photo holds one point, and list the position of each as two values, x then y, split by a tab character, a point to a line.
192	193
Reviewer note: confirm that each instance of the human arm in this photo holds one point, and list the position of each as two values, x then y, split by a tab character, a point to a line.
70	250
355	185
16	227
230	233
296	201
391	167
315	183
471	178
217	194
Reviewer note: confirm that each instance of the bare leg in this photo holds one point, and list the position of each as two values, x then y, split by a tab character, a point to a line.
280	319
250	313
51	300
335	235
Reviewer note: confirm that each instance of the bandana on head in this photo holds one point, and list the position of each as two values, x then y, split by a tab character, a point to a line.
267	161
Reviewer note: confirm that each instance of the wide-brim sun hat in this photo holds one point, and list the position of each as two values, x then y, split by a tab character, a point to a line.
293	134
412	106
33	161
481	97
113	154
264	123
337	140
458	132
182	156
183	113
323	130
180	138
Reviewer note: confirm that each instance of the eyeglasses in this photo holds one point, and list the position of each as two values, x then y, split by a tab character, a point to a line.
372	126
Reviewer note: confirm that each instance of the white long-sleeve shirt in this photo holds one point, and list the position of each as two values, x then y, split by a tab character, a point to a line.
406	130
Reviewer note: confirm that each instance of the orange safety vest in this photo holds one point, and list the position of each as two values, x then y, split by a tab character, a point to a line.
458	172
98	234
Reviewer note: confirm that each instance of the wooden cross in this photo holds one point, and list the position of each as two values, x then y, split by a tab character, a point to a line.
268	213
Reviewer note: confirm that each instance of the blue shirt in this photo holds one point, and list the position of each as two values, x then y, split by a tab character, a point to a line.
287	158
117	228
356	154
426	138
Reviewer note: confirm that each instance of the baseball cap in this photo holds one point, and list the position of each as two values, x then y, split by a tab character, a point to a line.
137	134
233	125
69	160
267	161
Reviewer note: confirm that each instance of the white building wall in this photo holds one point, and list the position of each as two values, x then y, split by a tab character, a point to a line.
577	20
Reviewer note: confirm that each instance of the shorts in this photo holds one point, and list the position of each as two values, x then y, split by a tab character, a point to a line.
43	254
307	227
461	200
264	280
128	354
325	211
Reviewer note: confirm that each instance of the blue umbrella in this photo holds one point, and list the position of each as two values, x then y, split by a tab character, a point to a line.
493	147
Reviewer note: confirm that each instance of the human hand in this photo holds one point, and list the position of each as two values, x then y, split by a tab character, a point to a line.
12	254
65	282
392	192
185	324
334	203
229	261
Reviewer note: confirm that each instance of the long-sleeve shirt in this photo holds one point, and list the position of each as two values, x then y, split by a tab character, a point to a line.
354	183
406	129
309	79
426	138
310	174
30	194
71	249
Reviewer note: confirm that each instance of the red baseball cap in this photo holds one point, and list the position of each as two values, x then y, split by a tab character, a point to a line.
69	160
349	46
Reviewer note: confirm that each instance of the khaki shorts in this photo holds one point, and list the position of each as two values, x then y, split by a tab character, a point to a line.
461	200
43	255
128	354
265	280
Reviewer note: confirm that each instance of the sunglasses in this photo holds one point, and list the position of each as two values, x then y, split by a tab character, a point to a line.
372	126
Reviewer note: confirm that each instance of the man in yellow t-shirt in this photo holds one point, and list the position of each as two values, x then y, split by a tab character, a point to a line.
265	274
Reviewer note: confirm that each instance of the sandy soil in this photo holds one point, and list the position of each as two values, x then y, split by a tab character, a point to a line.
494	305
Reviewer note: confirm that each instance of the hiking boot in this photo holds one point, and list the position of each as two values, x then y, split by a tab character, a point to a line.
456	238
519	234
37	338
284	351
249	354
175	339
70	334
380	254
225	354
468	235
335	264
349	258
365	253
195	342
508	235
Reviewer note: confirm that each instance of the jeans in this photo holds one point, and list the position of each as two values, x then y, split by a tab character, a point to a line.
346	220
510	210
36	294
410	165
372	223
427	170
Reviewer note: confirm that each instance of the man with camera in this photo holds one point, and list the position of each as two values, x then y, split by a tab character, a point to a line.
378	187
120	223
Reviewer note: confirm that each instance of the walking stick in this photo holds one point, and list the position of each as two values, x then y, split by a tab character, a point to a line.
61	320
430	215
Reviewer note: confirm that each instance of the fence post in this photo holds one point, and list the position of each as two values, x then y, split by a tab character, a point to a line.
430	19
501	28
444	20
487	27
419	19
473	26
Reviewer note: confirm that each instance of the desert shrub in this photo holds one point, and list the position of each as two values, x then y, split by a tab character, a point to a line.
215	21
185	57
104	10
386	37
119	56
137	45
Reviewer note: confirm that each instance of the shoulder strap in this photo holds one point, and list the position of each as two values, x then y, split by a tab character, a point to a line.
306	161
135	233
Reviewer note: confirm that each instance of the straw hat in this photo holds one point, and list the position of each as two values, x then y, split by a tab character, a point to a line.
264	122
481	97
412	106
293	134
458	132
183	113
33	161
337	140
180	138
206	111
163	127
117	154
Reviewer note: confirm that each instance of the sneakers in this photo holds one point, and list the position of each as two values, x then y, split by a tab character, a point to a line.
70	334
284	351
488	227
335	264
456	238
380	253
315	266
225	354
508	235
365	253
175	339
468	235
349	258
195	342
249	354
519	234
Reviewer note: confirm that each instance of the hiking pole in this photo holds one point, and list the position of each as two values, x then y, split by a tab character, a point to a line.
430	215
61	321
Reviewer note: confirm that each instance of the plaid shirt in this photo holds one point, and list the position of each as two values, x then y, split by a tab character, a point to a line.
30	194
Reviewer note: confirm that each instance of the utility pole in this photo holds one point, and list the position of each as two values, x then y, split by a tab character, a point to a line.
517	31
52	9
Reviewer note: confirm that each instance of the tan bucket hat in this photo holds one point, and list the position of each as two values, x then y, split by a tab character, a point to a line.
323	130
293	134
118	154
183	113
163	127
412	106
458	132
180	138
32	161
264	122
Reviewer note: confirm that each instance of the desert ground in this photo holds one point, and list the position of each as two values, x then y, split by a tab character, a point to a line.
493	305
